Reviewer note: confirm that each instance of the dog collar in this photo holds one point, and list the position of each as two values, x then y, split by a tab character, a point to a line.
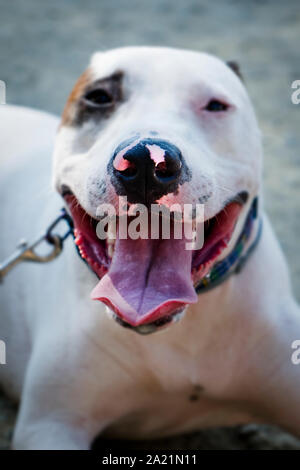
237	258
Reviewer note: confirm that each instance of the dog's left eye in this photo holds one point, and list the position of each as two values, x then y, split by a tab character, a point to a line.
99	98
216	106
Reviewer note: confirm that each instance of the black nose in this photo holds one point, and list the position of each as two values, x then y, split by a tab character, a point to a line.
147	170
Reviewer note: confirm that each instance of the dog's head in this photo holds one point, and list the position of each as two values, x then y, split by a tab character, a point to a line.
156	126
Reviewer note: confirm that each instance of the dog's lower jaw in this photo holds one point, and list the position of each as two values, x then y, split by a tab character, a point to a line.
152	327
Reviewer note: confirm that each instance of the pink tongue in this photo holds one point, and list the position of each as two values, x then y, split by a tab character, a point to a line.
147	279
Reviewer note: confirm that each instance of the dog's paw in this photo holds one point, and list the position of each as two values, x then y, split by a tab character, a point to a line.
264	437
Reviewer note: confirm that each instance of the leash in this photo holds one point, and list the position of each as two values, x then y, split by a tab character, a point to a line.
26	251
235	261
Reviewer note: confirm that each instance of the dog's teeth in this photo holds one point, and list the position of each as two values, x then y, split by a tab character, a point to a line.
111	238
78	240
110	249
111	232
82	252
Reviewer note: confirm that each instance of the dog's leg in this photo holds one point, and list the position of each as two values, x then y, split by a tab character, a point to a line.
43	425
49	434
273	381
54	409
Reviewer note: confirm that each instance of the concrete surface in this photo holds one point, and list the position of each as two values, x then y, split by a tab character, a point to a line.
45	45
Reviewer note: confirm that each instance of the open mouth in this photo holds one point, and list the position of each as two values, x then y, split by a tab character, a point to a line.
147	283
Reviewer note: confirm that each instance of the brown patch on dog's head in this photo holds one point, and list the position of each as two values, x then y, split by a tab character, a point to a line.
234	66
85	103
69	113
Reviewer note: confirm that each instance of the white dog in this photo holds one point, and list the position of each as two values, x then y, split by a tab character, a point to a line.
153	125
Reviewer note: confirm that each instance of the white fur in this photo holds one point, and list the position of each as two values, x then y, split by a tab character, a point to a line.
77	372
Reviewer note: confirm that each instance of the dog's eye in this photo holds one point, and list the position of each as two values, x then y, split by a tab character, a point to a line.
98	98
216	106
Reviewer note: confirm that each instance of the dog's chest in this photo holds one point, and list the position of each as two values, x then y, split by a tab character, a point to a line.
153	415
160	392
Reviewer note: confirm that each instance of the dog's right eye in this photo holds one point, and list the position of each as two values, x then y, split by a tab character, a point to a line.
98	98
216	106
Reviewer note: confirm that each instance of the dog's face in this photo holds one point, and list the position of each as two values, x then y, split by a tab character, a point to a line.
156	126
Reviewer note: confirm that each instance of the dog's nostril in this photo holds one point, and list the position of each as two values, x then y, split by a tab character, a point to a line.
161	170
127	169
167	169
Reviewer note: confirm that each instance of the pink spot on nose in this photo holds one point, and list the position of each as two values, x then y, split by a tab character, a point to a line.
157	154
120	163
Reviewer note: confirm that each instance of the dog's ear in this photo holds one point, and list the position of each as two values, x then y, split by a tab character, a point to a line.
234	66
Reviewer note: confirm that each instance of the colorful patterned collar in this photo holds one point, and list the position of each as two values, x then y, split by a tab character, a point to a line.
235	261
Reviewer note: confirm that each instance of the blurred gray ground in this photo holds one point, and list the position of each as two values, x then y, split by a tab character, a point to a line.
45	45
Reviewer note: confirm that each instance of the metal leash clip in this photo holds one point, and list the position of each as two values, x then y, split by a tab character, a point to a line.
26	251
